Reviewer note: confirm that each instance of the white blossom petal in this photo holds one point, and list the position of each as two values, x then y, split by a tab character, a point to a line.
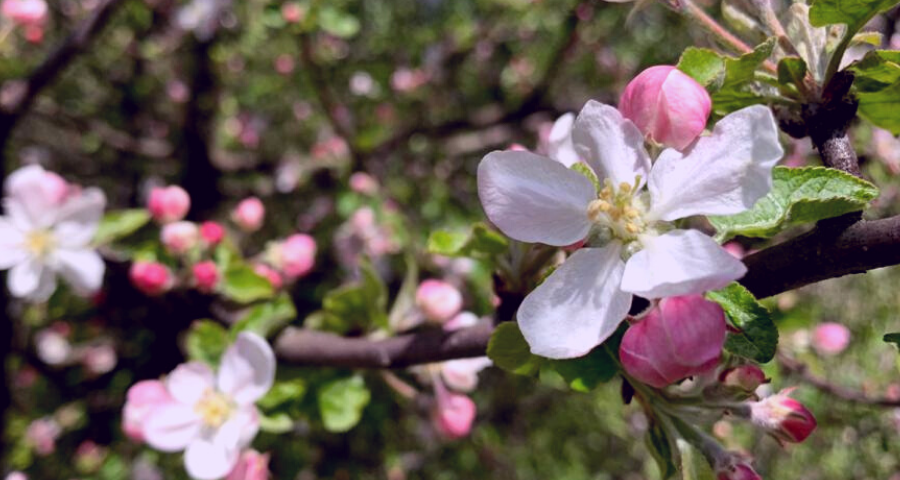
189	381
11	238
83	269
680	262
722	174
247	370
79	217
559	142
29	279
462	374
204	459
172	427
25	189
578	306
533	199
610	144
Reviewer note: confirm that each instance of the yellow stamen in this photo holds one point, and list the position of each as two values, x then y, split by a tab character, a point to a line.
213	408
39	242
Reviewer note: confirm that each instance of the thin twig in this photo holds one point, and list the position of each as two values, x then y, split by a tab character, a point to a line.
800	369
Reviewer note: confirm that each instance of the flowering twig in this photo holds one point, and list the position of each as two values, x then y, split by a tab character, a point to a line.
800	369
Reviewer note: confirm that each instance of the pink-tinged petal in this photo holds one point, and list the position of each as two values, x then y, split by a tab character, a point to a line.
696	329
559	143
31	280
83	269
534	199
610	144
172	427
680	262
722	174
189	381
79	217
142	399
462	375
578	306
453	415
11	238
248	369
205	459
25	188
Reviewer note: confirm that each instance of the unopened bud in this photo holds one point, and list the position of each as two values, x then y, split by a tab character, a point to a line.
453	414
438	300
295	256
180	237
169	204
361	182
269	274
682	337
668	106
151	278
830	338
206	276
745	377
783	417
211	233
249	214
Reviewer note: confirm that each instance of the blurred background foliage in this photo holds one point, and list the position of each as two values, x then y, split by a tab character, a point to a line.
284	101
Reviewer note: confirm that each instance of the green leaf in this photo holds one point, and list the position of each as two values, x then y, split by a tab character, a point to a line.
338	23
660	447
283	392
480	242
703	65
853	13
206	342
881	108
266	318
405	302
241	284
508	350
583	374
791	70
893	338
740	70
693	465
878	70
278	423
341	403
361	303
758	336
798	195
118	224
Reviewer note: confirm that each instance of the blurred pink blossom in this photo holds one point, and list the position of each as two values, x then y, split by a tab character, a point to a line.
292	12
406	80
180	237
168	204
830	338
453	414
294	256
42	434
269	274
99	359
249	214
206	276
438	300
361	182
211	233
152	278
251	466
25	12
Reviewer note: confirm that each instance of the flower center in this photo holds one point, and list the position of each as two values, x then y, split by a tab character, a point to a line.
213	408
620	210
40	243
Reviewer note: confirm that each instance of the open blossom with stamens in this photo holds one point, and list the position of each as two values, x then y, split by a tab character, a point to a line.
44	235
632	248
212	416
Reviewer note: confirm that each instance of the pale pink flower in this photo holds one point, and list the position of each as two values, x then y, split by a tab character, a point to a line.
42	434
168	204
180	237
462	374
269	274
361	182
252	466
453	414
142	398
744	377
292	12
249	214
99	359
295	256
25	12
830	338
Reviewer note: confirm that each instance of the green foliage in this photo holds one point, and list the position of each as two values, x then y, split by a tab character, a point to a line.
693	465
268	317
877	83
242	285
341	403
283	392
853	13
338	23
705	66
584	374
206	342
791	70
361	304
798	195
660	446
276	424
480	242
892	338
119	224
508	350
758	336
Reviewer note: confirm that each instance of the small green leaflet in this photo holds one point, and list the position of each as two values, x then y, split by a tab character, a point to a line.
118	224
798	195
241	284
266	318
705	66
660	446
359	304
758	338
341	403
508	350
693	465
206	342
480	242
853	13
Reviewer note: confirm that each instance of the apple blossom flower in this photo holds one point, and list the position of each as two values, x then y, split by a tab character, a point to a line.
98	359
292	12
632	248
213	416
252	466
142	398
41	237
168	204
269	274
783	417
179	237
668	106
151	278
559	142
41	434
206	276
53	346
453	413
294	256
361	182
438	300
681	337
830	338
249	214
25	12
211	233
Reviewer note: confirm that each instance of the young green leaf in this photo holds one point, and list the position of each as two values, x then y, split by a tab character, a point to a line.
853	13
206	342
480	242
241	284
660	446
758	336
118	224
359	304
880	108
705	66
878	70
341	403
508	350
584	374
798	195
693	465
266	318
791	70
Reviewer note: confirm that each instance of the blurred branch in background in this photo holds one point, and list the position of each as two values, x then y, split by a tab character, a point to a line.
795	367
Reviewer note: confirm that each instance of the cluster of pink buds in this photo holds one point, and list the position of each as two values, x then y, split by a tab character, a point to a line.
168	204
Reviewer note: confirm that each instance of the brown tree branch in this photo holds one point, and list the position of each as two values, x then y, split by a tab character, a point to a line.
800	369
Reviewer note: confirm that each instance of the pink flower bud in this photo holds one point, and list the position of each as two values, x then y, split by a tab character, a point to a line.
683	336
292	12
295	256
16	475
438	300
206	276
249	214
41	434
151	278
142	398
169	204
735	249
269	274
211	233
55	188
668	106
454	413
99	359
783	417
251	466
738	471
744	377
180	237
830	338
361	182
25	12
